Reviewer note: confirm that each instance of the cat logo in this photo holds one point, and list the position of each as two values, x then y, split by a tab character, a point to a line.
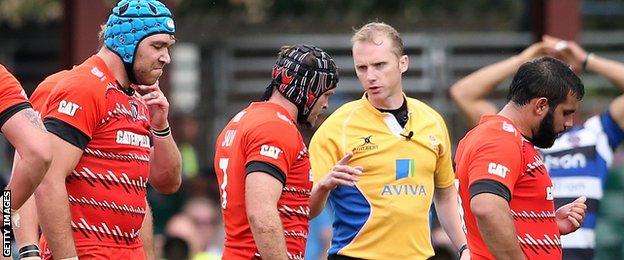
68	108
270	151
497	169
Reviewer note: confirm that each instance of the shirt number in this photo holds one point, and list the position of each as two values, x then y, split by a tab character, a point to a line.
223	165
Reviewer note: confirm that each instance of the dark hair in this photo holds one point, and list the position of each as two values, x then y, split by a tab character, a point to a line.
544	77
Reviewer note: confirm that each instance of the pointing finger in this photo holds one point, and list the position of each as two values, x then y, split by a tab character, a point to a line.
345	159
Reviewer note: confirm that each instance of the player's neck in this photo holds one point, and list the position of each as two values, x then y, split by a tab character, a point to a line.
277	98
520	116
115	65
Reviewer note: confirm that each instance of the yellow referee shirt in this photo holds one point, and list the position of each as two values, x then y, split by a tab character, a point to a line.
386	215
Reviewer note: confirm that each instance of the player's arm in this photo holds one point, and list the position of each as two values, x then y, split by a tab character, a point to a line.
27	134
165	159
52	199
27	234
72	114
469	93
496	225
262	192
614	72
146	234
445	200
492	174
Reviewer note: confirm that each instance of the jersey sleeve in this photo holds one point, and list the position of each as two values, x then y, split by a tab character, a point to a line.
444	175
498	160
324	149
12	96
614	133
273	143
74	109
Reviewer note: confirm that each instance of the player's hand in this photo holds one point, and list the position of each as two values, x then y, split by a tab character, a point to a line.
342	174
568	51
157	104
569	217
534	51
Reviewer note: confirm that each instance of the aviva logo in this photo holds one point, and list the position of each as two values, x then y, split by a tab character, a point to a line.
404	168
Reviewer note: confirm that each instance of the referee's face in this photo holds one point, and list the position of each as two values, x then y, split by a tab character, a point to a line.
379	70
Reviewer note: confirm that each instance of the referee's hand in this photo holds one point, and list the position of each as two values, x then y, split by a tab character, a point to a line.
342	174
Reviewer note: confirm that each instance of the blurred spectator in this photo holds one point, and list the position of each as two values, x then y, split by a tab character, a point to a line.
203	211
183	226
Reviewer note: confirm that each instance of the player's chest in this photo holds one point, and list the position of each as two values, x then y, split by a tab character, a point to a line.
125	122
535	182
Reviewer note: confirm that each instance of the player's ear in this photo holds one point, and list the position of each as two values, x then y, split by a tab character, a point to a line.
540	106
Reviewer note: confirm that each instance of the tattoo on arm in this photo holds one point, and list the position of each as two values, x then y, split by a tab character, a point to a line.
34	119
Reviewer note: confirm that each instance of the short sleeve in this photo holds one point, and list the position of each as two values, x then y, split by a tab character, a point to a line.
273	142
324	149
444	175
614	133
12	96
498	159
75	103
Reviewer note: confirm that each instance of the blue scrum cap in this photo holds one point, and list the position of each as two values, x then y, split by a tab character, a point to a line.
132	21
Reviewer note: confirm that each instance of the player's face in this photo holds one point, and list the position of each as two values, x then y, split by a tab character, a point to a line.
151	57
556	122
379	70
321	104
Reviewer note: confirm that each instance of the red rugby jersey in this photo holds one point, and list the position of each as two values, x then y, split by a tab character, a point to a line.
40	95
496	150
107	188
12	96
263	132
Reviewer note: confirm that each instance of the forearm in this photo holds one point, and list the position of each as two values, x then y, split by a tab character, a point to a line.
318	199
611	70
483	81
496	226
147	233
469	93
446	205
268	233
55	218
165	165
24	179
28	231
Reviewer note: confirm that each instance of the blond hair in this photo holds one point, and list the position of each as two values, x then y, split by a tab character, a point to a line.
369	31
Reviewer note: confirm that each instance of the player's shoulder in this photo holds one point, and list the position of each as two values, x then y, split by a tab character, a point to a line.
83	79
8	81
265	115
495	128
